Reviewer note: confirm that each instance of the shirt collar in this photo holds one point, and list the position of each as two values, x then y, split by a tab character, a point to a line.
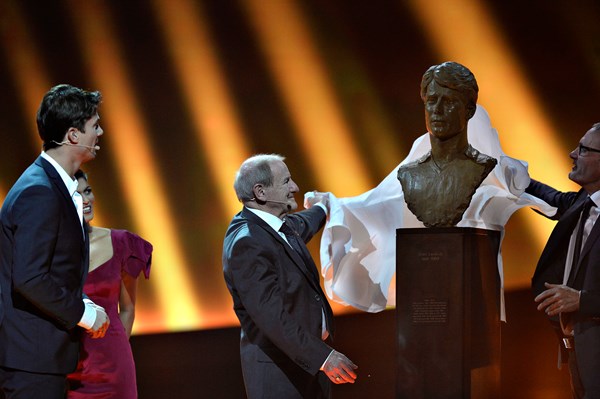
268	218
596	198
70	183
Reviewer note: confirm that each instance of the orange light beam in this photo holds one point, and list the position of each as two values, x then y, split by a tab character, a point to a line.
201	79
125	134
302	80
26	67
368	113
3	193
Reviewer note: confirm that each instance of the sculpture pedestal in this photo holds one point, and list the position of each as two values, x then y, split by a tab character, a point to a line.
447	304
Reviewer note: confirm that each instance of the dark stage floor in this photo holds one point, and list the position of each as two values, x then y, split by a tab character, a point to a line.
205	364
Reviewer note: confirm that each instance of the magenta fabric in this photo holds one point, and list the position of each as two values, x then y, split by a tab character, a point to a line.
106	368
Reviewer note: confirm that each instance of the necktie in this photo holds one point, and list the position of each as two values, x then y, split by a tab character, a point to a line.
298	245
578	241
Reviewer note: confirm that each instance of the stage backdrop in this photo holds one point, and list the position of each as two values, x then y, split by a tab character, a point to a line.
191	88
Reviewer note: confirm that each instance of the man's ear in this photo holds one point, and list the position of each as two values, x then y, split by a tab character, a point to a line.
72	135
259	192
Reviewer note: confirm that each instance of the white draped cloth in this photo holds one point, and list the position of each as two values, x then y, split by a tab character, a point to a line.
358	245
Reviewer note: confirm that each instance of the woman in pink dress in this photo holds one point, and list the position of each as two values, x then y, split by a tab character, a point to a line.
117	257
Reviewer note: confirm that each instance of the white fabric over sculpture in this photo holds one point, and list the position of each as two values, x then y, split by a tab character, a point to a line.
358	245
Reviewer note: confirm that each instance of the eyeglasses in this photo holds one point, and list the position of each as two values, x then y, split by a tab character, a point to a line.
583	150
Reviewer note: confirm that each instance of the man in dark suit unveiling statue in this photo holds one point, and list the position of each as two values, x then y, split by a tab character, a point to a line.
44	252
438	187
284	314
567	278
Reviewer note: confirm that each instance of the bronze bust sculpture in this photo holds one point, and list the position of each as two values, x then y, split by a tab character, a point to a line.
439	186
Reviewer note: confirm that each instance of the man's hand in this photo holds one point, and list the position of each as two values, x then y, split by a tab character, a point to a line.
339	368
313	197
100	325
516	175
558	299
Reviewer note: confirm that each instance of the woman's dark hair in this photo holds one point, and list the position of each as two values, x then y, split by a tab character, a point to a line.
80	174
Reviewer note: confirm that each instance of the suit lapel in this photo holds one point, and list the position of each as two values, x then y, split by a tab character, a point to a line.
312	277
558	241
54	177
294	256
58	182
312	268
589	243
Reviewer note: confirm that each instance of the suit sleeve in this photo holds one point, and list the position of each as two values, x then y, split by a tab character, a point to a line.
253	267
307	223
558	199
589	303
36	262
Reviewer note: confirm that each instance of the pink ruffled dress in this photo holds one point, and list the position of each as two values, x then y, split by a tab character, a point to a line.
106	368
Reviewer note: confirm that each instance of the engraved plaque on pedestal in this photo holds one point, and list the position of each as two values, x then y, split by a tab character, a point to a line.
447	301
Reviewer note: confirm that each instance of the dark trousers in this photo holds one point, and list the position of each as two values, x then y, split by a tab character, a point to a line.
18	384
576	385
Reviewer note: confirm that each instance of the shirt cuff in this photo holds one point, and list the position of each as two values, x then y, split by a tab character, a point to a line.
325	362
89	314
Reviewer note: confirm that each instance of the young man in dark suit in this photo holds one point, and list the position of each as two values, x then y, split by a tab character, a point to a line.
567	278
285	318
44	253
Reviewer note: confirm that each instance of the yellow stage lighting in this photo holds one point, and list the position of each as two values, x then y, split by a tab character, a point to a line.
125	134
300	74
221	138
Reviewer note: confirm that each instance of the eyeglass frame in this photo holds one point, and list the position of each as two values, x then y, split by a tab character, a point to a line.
585	149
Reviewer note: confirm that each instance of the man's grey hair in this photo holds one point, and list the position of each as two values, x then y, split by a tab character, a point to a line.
254	170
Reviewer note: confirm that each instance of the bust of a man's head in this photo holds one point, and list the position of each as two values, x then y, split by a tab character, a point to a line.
439	186
449	93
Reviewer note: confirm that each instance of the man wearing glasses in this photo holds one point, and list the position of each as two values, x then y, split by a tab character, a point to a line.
567	277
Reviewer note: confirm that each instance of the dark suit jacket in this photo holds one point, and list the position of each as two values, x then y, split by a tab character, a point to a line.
279	304
551	267
43	263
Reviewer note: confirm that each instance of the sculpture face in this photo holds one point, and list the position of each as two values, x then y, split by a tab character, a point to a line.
438	187
446	113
